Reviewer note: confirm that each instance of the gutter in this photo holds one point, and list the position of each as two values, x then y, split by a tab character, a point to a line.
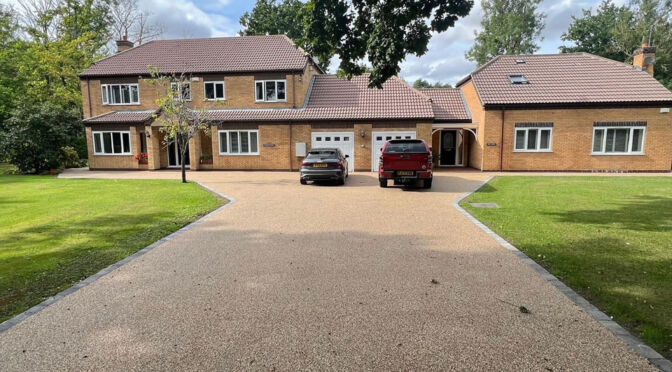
501	146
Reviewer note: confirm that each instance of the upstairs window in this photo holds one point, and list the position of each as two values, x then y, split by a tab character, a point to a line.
270	90
518	79
185	90
533	137
120	94
214	90
618	140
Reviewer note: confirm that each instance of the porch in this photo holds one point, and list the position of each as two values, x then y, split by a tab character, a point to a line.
455	145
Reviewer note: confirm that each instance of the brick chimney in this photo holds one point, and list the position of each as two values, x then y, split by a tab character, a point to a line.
644	58
124	44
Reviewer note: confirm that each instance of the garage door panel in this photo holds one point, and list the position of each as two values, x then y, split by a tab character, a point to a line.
345	141
378	139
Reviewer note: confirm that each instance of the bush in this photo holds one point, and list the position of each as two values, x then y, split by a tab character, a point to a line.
70	158
36	133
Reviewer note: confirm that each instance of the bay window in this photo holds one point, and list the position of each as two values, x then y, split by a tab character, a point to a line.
618	138
112	143
270	90
533	137
120	94
239	142
214	90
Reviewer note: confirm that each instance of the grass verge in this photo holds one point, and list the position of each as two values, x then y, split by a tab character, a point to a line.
55	232
609	238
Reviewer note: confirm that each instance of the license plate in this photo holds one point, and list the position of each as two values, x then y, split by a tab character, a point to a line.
405	173
320	165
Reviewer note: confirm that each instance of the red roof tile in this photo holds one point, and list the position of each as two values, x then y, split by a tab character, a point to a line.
125	117
225	54
332	98
448	104
579	78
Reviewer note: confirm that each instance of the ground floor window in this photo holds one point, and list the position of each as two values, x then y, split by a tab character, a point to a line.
533	139
112	143
618	140
239	142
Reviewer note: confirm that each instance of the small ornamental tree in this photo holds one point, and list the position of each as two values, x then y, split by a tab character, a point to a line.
179	122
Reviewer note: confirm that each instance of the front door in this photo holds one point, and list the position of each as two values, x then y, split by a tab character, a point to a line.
175	156
448	154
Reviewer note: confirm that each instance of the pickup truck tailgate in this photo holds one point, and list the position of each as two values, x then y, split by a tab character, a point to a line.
393	162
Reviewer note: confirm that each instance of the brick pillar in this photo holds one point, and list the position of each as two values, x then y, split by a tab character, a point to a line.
195	151
153	148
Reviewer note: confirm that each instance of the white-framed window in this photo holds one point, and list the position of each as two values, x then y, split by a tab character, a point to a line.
239	142
618	140
185	90
270	90
214	90
533	139
120	94
112	143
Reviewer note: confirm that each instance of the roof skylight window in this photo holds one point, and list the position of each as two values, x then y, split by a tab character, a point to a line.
518	79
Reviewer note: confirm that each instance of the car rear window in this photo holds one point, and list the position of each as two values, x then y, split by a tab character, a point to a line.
395	147
326	154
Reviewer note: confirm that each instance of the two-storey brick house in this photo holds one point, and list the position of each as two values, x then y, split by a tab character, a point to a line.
268	103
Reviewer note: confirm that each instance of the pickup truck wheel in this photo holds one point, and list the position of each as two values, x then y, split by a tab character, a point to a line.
427	183
341	181
383	182
303	182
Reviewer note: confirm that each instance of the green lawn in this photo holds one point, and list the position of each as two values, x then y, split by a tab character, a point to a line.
609	238
55	232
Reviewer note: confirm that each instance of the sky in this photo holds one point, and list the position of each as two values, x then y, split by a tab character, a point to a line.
444	61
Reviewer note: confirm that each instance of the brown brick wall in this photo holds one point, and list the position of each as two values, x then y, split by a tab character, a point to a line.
114	161
475	153
572	140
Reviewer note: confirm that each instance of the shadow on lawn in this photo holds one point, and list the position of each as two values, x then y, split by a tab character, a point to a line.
641	213
33	273
620	278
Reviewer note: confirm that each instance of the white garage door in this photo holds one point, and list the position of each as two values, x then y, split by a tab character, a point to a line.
378	139
341	140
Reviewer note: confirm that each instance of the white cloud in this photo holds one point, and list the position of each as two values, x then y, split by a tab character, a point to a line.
183	19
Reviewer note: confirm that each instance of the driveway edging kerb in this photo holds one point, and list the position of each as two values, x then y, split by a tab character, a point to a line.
11	322
632	341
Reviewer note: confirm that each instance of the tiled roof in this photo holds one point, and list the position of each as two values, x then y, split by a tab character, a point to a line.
129	117
448	104
225	54
579	78
332	98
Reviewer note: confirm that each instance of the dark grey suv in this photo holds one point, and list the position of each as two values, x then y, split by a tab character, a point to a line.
324	164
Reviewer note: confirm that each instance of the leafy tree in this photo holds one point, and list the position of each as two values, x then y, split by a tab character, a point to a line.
383	31
594	33
37	133
509	27
422	83
179	122
10	54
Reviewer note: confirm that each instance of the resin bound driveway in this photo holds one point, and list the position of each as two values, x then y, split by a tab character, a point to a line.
293	277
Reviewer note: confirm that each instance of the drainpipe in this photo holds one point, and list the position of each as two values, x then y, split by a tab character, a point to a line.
88	93
501	146
291	167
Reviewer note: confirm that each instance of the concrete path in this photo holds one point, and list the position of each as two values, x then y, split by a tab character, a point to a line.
295	277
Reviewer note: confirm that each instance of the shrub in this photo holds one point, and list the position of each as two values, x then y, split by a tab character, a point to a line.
36	133
70	158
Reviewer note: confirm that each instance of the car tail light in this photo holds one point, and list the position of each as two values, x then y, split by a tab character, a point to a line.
340	165
381	163
429	162
304	163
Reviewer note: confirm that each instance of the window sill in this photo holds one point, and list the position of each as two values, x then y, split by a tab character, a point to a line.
227	154
284	100
124	154
215	99
532	151
121	104
617	154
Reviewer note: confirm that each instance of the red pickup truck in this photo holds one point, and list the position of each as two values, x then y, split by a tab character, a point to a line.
406	161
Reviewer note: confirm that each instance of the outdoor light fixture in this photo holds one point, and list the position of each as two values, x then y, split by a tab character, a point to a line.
147	134
362	133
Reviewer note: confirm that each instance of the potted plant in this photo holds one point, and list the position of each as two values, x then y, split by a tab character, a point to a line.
206	159
142	158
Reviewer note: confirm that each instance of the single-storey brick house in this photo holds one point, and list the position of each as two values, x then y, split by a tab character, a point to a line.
268	103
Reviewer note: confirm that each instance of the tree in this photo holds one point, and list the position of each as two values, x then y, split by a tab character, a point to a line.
616	32
384	31
509	27
274	17
179	122
422	83
36	134
129	21
10	53
594	33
